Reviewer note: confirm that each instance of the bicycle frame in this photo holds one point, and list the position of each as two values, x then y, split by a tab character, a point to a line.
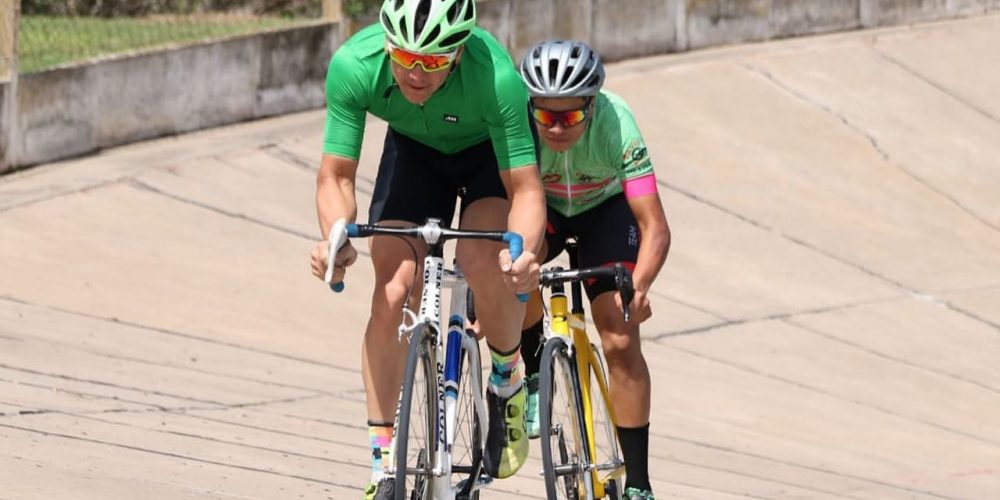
447	357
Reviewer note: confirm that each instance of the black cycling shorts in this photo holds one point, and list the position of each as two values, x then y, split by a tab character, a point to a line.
416	181
605	234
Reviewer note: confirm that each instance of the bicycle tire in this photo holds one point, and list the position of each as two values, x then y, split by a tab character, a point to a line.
415	450
608	447
467	450
564	442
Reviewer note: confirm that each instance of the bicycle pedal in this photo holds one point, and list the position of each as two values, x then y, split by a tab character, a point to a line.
483	480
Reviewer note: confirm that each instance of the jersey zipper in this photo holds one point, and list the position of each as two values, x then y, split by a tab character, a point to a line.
569	186
423	119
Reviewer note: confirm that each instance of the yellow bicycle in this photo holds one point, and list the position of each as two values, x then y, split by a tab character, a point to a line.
581	455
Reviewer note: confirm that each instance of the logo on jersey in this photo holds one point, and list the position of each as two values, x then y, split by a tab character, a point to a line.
551	178
450	118
636	157
584	178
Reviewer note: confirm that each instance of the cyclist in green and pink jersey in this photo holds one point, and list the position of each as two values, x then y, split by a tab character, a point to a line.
601	190
458	127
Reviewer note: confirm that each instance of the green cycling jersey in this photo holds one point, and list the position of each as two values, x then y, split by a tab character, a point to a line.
610	153
483	98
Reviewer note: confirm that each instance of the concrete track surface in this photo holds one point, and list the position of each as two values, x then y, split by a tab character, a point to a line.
827	325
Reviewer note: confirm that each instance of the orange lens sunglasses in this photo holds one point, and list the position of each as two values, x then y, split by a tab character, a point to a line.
570	118
429	62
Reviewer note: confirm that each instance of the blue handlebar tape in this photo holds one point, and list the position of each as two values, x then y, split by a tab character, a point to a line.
516	245
352	232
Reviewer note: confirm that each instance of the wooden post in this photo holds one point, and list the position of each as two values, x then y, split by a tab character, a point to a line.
10	17
336	11
9	10
333	10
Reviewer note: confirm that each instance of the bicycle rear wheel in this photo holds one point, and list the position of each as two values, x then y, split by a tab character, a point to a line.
564	442
416	432
467	449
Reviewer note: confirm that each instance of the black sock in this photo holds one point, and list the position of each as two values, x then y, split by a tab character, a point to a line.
635	447
531	350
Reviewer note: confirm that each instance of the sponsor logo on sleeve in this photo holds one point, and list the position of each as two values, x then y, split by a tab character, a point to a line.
636	157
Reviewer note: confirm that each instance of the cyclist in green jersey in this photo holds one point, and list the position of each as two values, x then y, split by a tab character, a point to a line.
458	122
601	190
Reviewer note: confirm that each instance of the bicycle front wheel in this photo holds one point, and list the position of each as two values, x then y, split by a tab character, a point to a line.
416	432
467	449
564	442
609	461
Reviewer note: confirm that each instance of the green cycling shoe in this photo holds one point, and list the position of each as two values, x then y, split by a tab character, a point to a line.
637	494
382	490
507	441
532	422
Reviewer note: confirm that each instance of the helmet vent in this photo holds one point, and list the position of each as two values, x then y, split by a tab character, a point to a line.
420	20
453	12
553	68
433	33
470	10
399	5
455	38
567	75
388	25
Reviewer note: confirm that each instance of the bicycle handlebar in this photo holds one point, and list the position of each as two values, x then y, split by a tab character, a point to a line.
618	272
431	232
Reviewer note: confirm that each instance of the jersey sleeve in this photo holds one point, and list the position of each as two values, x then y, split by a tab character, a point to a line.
636	171
509	129
634	160
345	109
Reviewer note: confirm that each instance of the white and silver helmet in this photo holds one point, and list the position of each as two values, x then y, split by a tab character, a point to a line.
562	68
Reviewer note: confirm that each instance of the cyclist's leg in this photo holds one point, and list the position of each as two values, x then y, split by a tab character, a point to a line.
614	240
484	206
405	194
507	441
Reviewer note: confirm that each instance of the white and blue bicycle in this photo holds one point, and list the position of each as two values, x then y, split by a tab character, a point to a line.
438	433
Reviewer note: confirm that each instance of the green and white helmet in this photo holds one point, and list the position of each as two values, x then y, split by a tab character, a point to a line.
428	26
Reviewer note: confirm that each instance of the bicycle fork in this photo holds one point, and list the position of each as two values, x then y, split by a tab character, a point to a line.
459	342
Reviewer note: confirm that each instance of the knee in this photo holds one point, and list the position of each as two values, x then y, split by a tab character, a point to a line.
388	299
621	348
478	259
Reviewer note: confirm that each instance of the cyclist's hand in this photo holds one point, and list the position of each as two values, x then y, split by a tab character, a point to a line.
521	276
345	257
639	309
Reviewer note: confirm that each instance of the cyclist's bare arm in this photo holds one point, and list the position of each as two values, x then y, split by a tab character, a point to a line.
335	191
527	218
334	200
653	247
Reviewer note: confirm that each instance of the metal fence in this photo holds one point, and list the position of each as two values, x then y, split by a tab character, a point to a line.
56	32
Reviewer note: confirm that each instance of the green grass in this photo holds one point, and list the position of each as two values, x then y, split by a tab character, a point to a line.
49	41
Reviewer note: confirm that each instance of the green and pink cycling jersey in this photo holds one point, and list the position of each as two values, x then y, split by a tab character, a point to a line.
610	158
